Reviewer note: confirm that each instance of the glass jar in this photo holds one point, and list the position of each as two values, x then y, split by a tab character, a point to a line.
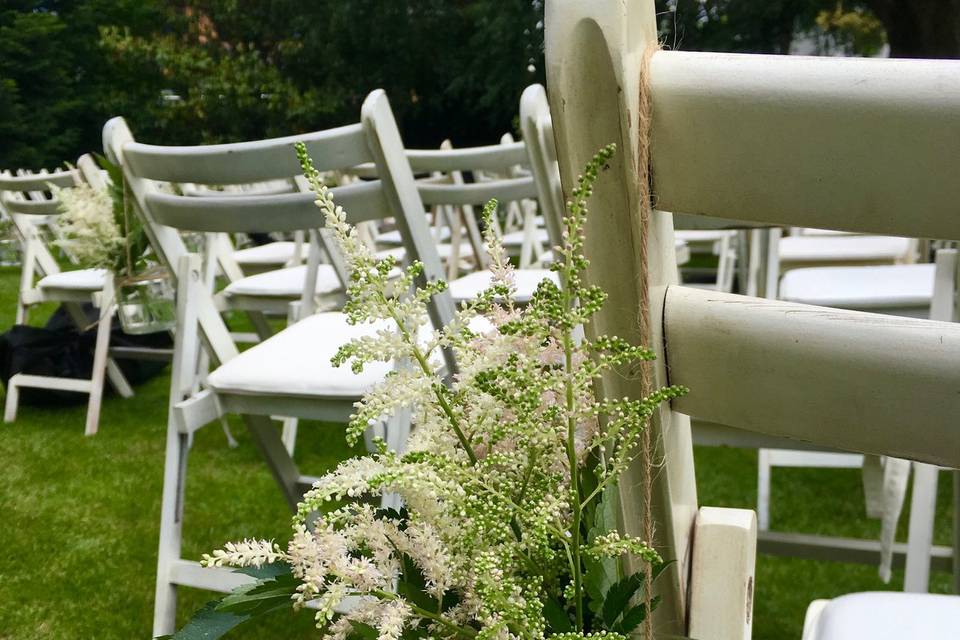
146	303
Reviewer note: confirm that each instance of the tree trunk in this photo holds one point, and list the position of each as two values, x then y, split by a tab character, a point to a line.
920	28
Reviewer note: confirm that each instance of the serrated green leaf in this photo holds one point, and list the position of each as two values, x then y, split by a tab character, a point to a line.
601	573
635	616
267	594
209	624
618	597
270	571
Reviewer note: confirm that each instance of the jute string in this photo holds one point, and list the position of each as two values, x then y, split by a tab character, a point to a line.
645	206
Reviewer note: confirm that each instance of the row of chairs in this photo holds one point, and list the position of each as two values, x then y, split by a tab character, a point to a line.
288	374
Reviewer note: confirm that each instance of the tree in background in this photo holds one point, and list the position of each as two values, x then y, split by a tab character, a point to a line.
191	71
223	70
912	28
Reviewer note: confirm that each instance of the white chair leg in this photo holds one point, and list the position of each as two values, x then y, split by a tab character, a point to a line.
289	435
99	370
397	430
956	532
228	433
13	399
171	531
117	380
763	489
371	434
923	508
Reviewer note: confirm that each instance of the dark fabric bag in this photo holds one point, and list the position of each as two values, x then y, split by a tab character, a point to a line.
60	349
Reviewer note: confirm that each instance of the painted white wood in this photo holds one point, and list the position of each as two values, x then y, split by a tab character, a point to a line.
862	368
722	574
860	139
593	54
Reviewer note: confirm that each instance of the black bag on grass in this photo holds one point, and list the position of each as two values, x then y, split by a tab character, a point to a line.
62	350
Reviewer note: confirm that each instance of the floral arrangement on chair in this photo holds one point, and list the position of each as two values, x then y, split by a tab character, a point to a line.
508	481
99	231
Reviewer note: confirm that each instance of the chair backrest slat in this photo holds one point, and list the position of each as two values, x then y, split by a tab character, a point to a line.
247	162
506	190
497	158
46	207
238	213
797	140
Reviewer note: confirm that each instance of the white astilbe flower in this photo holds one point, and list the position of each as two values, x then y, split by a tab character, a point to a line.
89	231
508	457
393	617
249	553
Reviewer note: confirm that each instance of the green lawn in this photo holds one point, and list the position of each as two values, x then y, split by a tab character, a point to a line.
78	517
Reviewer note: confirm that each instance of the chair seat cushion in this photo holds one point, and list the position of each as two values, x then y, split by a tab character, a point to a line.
296	362
884	286
470	286
843	248
887	616
285	283
78	280
273	253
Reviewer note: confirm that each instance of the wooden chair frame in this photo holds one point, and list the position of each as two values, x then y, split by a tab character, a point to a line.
843	379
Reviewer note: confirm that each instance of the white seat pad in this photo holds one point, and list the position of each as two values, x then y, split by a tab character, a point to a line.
296	362
470	286
889	616
840	248
516	238
285	283
278	253
79	280
906	285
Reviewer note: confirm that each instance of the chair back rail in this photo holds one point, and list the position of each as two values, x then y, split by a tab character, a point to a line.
834	143
362	201
498	158
477	193
247	162
840	378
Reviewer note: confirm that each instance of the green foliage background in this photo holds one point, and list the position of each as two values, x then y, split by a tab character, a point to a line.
191	71
226	70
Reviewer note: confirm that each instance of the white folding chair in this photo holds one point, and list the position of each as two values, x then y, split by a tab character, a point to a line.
290	373
26	200
497	159
768	139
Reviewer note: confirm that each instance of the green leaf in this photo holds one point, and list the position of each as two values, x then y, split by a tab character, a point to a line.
618	597
601	573
558	620
636	615
363	631
267	571
209	624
